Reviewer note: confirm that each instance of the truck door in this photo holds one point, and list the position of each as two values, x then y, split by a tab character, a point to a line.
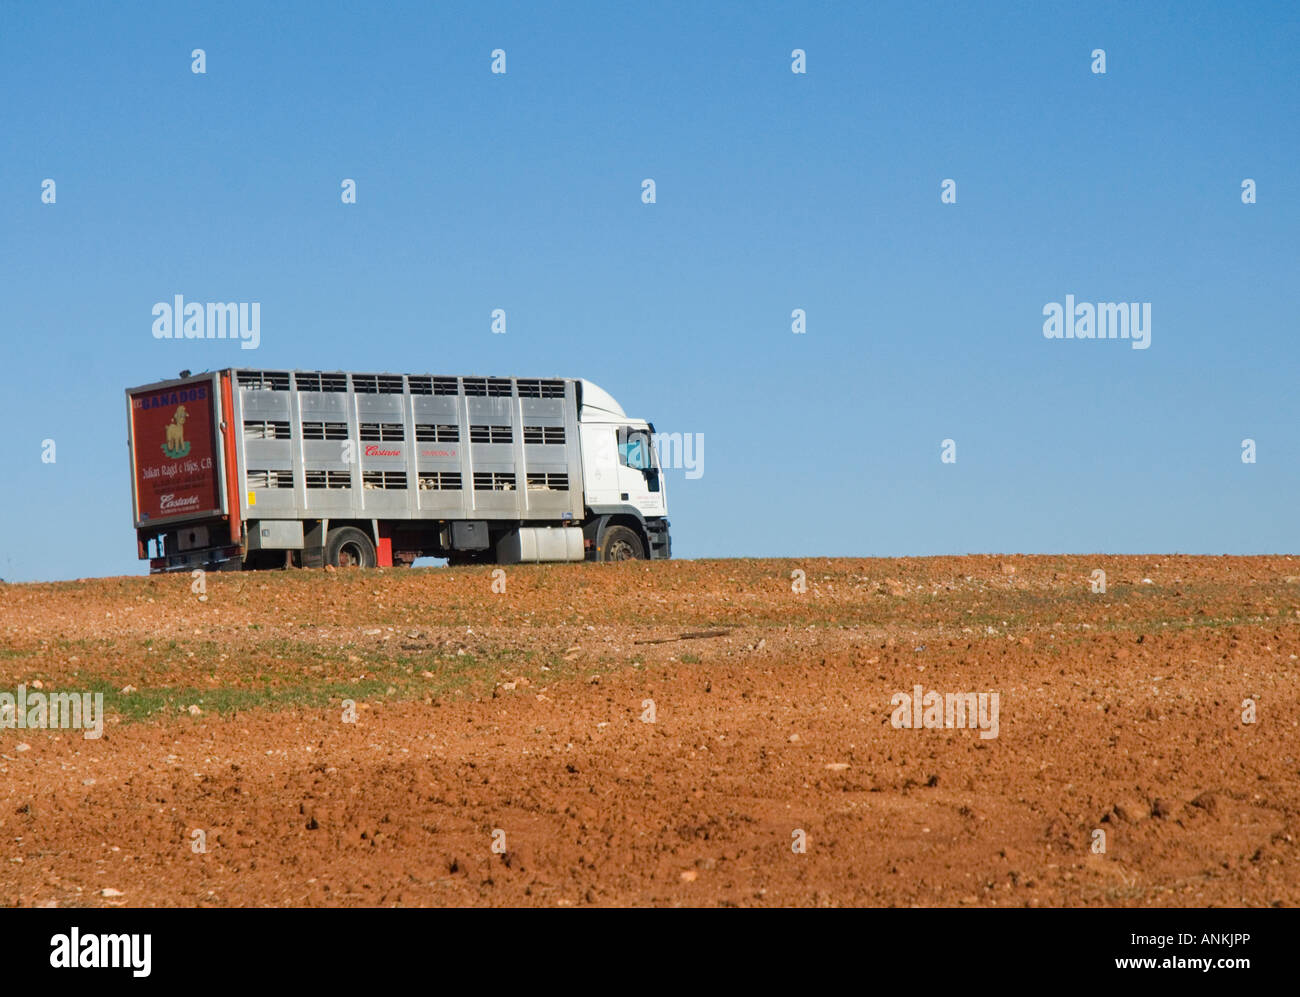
640	479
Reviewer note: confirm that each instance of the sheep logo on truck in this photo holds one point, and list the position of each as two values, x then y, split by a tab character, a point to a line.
176	447
312	468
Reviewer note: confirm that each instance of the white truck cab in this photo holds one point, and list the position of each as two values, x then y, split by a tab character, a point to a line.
621	473
619	463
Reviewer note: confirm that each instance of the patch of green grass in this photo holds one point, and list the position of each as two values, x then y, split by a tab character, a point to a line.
1167	625
280	681
165	702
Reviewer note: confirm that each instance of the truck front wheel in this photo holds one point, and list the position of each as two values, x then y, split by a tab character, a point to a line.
621	544
348	547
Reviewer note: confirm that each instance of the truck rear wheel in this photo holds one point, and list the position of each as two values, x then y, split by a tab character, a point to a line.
348	547
621	544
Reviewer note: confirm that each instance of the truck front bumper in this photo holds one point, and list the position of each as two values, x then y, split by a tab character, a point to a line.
661	544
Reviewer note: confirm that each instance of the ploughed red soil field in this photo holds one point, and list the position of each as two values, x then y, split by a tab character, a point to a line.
671	733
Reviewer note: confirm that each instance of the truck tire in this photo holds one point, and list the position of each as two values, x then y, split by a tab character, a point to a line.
348	547
621	544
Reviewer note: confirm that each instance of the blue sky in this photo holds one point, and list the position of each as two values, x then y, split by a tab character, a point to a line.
775	191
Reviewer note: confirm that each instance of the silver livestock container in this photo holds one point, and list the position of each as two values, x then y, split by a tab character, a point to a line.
340	445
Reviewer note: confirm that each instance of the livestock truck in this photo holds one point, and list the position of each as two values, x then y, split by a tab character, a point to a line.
239	469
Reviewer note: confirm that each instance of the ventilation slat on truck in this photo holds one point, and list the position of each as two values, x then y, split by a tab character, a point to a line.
270	479
386	480
324	430
544	434
534	388
490	434
329	479
319	381
256	430
547	482
266	380
440	481
437	433
378	384
494	481
382	432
